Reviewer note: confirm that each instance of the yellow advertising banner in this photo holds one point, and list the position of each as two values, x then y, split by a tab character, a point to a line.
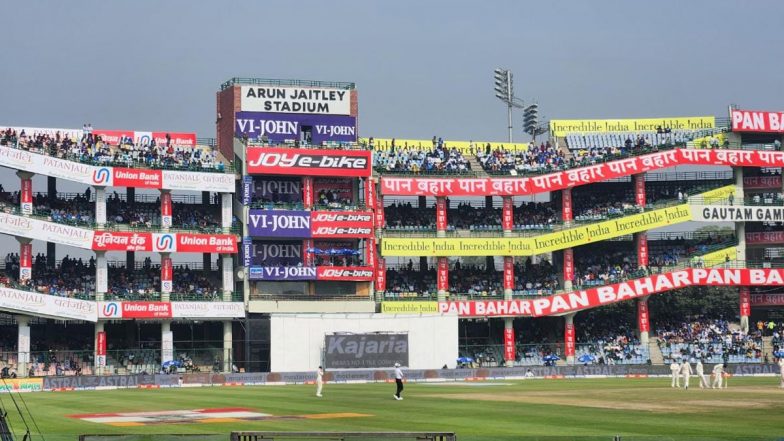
716	257
718	195
560	127
414	307
22	385
529	246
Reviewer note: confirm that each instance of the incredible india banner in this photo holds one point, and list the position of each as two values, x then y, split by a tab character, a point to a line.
529	246
561	127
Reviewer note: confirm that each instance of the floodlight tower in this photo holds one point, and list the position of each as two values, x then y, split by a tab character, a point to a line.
504	91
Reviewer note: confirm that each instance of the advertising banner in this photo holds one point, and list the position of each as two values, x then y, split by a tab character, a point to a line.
345	274
291	99
26	196
370	252
441	223
303	162
310	224
308	198
365	351
757	121
166	209
643	319
291	273
122	241
278	253
568	264
167	346
726	213
46	231
566	205
25	261
745	301
134	310
509	276
247	190
206	243
414	307
443	274
198	181
381	275
642	248
509	344
280	127
507	214
380	213
765	238
774	299
639	190
36	304
276	189
100	343
137	178
167	274
528	246
562	127
566	302
524	186
762	182
370	194
309	259
178	139
569	343
16	385
208	310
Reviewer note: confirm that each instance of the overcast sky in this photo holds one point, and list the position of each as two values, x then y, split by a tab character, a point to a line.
421	68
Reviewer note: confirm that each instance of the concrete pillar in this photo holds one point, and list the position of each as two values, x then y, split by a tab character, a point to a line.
643	320
100	206
51	254
226	212
167	341
227	271
228	358
206	261
23	345
101	276
100	348
569	338
205	198
25	192
507	215
740	233
130	260
130	196
51	188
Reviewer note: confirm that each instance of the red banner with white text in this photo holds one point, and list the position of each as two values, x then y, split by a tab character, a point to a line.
569	339
757	121
381	275
566	205
507	214
774	299
442	282
762	183
122	241
765	238
441	223
308	162
25	261
393	186
26	196
167	274
568	264
509	344
345	273
643	319
745	301
640	197
509	277
642	249
137	178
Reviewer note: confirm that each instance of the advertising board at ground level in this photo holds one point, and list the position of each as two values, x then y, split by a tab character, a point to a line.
365	351
529	246
16	385
308	162
594	297
289	99
38	304
282	127
451	187
562	127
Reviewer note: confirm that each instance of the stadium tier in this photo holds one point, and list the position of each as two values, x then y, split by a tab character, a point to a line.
509	251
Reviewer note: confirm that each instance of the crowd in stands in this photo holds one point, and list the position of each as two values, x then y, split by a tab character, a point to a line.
404	159
711	340
536	159
91	148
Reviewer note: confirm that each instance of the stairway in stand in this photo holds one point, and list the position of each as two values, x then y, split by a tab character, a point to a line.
767	348
656	354
476	167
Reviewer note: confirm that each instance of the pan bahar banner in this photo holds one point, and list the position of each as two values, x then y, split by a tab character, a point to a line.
529	246
561	127
365	351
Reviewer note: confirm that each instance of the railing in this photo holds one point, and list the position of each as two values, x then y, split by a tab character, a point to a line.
245	81
144	198
300	206
296	144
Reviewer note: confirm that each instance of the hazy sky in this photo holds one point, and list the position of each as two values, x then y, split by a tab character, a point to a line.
422	68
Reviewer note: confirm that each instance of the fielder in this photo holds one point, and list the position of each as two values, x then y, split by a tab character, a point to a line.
319	381
701	373
781	369
718	375
674	369
686	373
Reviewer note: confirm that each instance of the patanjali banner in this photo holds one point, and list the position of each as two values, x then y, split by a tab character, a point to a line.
365	351
279	127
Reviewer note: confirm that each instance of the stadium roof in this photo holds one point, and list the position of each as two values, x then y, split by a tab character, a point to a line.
239	81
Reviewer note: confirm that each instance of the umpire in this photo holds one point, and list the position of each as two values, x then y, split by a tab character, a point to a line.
398	382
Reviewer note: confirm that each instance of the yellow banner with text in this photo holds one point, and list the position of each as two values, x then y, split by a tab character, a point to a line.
561	127
409	307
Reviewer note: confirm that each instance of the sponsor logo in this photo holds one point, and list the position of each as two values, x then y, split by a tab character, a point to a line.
337	273
338	217
165	242
358	348
341	231
287	160
101	176
111	309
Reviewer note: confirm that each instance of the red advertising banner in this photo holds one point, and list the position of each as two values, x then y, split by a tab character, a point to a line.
579	176
206	243
745	301
757	121
381	275
566	205
178	139
347	224
308	162
100	343
137	178
643	319
775	299
642	249
167	274
578	300
507	214
509	344
380	213
569	345
166	203
308	259
113	137
568	264
765	238
122	241
762	182
370	251
370	193
25	261
345	273
509	277
146	310
144	137
443	274
307	191
26	193
639	190
441	214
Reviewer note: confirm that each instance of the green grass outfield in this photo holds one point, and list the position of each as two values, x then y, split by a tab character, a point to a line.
511	410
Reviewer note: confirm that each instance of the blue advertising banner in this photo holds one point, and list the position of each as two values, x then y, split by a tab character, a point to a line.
282	273
280	127
247	189
279	223
278	253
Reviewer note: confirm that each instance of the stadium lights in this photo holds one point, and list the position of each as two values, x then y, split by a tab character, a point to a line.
504	91
531	119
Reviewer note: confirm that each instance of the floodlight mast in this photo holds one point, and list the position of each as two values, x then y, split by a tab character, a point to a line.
504	91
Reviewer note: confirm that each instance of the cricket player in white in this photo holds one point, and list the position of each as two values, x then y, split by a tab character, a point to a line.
701	373
675	368
781	369
686	373
319	380
718	376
